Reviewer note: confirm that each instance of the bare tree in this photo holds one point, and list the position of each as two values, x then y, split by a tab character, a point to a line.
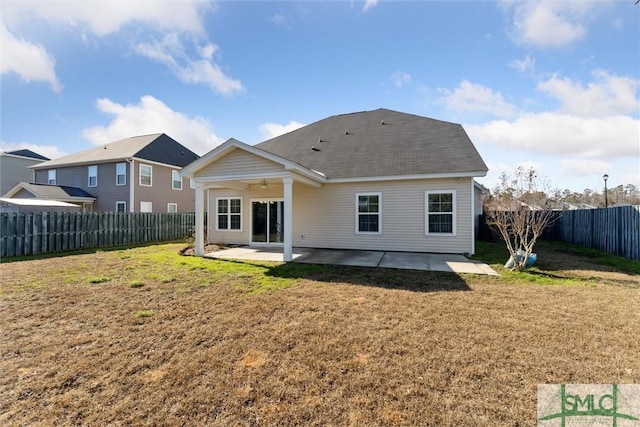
520	210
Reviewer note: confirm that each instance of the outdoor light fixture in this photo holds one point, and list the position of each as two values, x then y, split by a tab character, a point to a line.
606	200
263	184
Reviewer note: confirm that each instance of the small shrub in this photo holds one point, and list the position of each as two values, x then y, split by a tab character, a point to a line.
145	313
99	279
136	284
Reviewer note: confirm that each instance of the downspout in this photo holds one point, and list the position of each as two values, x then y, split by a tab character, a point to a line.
132	184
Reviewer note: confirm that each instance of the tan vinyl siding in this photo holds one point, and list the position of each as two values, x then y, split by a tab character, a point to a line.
325	217
239	162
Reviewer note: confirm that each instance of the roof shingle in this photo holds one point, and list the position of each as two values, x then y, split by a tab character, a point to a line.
379	143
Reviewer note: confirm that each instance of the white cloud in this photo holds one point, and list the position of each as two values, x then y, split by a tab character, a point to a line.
102	17
551	23
172	53
564	135
608	95
277	19
525	65
400	79
471	97
368	4
49	151
584	168
151	115
30	61
271	130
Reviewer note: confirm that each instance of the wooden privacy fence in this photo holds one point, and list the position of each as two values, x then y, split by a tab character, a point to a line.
613	230
46	232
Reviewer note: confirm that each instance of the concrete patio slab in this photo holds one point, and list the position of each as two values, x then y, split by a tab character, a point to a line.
255	253
342	257
401	260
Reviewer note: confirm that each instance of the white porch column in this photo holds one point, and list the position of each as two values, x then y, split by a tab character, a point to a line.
200	199
288	218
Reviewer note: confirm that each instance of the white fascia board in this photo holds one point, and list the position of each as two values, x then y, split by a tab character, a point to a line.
406	177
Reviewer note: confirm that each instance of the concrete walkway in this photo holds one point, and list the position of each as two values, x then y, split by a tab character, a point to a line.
402	260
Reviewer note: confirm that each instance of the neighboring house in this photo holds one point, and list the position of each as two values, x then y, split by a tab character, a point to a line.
138	174
14	167
376	180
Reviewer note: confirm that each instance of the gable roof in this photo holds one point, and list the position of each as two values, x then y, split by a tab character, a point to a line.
233	144
157	147
26	153
51	192
380	143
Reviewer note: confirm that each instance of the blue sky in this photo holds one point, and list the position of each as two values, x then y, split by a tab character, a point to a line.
552	85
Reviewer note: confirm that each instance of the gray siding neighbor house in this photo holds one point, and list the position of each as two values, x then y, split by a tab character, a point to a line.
375	180
14	167
137	174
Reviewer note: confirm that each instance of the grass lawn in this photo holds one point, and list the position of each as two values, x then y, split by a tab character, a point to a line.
145	336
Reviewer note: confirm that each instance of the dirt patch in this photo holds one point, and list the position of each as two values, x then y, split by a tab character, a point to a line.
337	346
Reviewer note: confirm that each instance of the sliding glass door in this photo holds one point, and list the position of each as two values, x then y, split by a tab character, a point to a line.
267	221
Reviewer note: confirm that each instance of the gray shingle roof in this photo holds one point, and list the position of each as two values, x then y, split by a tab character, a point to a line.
379	143
46	191
157	147
27	153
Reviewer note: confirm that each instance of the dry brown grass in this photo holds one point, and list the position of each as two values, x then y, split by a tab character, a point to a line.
328	346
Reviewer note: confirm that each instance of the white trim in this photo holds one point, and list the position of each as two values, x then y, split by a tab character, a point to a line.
473	217
174	180
124	174
121	202
132	184
454	213
358	213
406	177
228	214
89	176
172	204
140	175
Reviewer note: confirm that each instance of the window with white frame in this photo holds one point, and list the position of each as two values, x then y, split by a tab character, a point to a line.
440	212
121	206
121	173
172	207
51	177
93	176
192	183
369	213
229	213
146	207
176	180
146	174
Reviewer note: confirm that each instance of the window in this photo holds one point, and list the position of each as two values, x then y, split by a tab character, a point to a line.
146	207
192	183
146	172
368	213
93	176
121	173
440	212
51	177
229	213
172	207
176	180
121	206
